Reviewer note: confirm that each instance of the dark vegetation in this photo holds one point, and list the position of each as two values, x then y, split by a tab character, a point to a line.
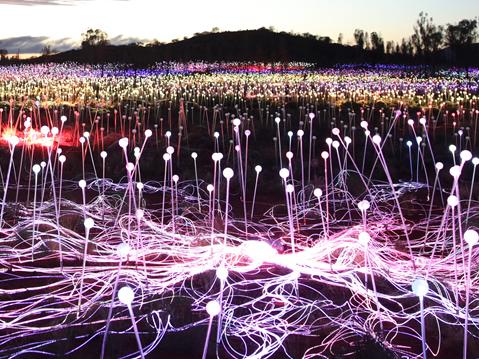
451	44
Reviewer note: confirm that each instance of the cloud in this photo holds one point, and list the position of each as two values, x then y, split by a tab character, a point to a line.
44	2
35	44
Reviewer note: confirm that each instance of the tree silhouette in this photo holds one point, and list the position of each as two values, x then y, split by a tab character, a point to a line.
377	43
94	38
359	38
464	33
427	36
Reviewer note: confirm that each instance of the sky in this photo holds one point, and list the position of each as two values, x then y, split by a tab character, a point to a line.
28	25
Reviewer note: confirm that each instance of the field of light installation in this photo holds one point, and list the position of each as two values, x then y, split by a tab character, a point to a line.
238	211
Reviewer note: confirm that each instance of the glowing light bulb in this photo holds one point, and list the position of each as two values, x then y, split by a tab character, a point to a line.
471	237
62	159
213	308
439	166
364	238
88	223
123	250
148	133
166	157
465	155
325	155
194	155
123	142
258	168
420	287
455	171
36	169
284	173
82	184
103	154
318	192
126	295
228	173
363	205
222	273
452	201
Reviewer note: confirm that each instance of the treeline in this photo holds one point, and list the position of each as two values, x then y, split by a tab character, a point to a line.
429	43
451	44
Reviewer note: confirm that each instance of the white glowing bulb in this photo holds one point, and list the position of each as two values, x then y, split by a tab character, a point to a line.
63	118
335	131
210	188
170	150
166	156
364	205
103	154
89	223
410	122
168	134
325	155
140	186
123	142
409	143
347	140
364	238
175	178
289	188
452	148
300	133
290	134
236	122
194	155
311	115
43	164
420	287
123	250
289	155
82	140
148	133
318	192
55	131
336	144
284	173
439	166
62	159
471	237
13	140
139	213
213	308
44	130
422	121
465	155
455	171
130	167
82	184
452	201
377	139
222	273
277	120
36	169
258	168
228	173
247	133
364	124
329	140
126	295
216	134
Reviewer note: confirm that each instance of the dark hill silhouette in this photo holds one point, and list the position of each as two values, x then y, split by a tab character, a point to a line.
260	45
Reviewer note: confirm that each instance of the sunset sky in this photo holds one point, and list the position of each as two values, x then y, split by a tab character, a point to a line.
29	24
